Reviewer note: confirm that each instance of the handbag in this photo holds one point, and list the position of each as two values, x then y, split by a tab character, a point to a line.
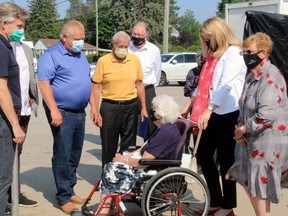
186	158
189	160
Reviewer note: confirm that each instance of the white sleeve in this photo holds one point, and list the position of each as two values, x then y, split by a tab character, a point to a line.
232	68
157	66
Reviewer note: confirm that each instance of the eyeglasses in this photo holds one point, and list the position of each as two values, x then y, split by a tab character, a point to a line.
250	52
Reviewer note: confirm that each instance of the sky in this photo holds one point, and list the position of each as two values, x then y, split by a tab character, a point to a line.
202	9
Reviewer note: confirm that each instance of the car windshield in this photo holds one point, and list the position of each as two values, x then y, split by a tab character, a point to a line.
166	58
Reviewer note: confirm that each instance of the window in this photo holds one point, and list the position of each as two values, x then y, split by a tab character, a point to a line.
166	58
190	58
179	58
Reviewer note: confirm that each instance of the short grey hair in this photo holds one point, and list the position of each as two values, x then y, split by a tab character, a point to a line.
69	27
167	108
120	36
144	24
9	12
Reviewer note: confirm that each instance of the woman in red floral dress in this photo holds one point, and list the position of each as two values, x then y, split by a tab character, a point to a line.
262	150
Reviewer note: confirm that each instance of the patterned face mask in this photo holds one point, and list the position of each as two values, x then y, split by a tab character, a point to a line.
121	52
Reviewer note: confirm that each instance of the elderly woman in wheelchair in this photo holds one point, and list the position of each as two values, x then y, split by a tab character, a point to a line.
173	190
121	174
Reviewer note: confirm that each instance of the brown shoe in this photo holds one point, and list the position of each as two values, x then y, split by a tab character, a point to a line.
77	200
68	208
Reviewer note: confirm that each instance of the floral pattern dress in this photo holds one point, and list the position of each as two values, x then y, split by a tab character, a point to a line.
262	163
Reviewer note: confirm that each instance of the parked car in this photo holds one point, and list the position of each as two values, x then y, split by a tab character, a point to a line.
92	68
175	66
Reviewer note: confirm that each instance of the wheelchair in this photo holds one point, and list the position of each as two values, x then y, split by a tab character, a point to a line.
173	190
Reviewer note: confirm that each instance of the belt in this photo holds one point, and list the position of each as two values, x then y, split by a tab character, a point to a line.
73	111
120	103
149	86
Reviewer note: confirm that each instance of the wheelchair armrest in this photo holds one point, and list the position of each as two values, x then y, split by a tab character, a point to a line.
159	162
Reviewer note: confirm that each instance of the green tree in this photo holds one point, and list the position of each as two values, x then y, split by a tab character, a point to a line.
188	28
221	6
85	13
116	15
125	13
42	22
106	26
80	11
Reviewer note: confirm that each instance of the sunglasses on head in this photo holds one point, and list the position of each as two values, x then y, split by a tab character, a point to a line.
250	52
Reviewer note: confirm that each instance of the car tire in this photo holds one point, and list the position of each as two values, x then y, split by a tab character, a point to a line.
182	83
163	79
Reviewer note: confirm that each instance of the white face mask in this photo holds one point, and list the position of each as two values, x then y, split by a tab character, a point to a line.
121	52
77	45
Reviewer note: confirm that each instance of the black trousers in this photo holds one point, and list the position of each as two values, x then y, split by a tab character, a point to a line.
219	136
149	95
118	121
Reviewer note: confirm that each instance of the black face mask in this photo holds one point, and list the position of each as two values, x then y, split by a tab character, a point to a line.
251	61
137	41
152	115
208	44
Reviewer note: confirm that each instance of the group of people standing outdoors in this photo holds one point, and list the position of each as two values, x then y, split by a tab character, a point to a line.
240	103
65	84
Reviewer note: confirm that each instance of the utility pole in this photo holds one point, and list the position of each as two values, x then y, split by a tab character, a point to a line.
96	23
166	25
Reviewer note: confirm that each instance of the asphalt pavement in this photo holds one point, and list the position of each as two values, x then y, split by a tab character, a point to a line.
37	178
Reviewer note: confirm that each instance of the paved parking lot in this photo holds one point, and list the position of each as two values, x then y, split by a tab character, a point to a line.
37	179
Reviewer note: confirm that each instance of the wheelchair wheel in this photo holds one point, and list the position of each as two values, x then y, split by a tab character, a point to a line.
175	191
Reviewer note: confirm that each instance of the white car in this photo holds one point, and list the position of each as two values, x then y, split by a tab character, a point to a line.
175	66
92	68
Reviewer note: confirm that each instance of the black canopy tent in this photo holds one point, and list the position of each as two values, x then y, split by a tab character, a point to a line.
276	26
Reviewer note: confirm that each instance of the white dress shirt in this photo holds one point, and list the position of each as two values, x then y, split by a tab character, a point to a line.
228	81
24	79
150	59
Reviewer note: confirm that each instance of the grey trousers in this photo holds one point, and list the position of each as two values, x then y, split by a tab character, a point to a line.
7	152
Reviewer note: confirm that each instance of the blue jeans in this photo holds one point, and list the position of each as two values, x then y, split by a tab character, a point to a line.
67	149
7	152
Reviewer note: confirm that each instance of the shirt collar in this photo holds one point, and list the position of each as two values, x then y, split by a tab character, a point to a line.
64	51
261	72
7	44
146	46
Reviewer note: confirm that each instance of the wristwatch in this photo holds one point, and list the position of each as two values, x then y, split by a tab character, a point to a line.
210	108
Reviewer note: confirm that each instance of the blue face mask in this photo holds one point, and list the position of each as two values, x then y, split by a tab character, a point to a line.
16	35
77	45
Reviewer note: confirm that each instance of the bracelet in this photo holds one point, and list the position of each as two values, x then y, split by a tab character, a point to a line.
242	128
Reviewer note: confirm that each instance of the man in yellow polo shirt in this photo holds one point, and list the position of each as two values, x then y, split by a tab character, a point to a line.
120	75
